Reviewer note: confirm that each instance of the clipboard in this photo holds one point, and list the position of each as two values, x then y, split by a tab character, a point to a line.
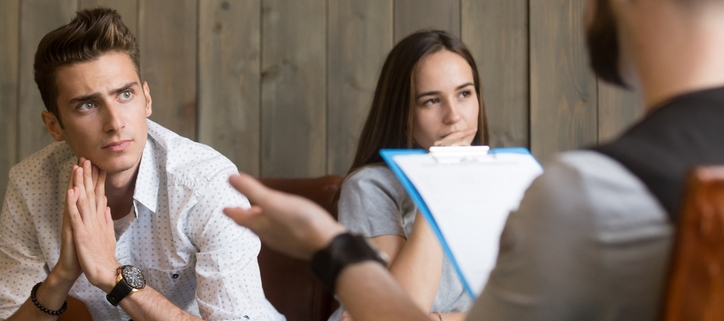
466	193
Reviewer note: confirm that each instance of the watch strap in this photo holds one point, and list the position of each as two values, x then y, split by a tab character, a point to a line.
119	292
343	250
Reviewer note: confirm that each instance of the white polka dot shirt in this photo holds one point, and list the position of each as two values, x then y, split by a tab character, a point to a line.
186	247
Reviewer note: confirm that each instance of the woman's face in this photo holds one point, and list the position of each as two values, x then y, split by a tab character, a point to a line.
445	103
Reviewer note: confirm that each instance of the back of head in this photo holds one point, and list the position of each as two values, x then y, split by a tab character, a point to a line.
92	33
389	123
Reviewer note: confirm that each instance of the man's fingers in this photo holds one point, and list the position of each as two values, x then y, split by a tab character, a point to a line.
244	217
100	191
109	221
250	187
76	222
89	183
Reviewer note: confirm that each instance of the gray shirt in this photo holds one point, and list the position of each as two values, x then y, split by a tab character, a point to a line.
589	242
374	203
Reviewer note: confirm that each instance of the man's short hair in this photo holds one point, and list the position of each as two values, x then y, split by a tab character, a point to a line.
92	33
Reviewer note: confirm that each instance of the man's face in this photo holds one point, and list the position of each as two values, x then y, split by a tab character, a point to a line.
603	42
103	106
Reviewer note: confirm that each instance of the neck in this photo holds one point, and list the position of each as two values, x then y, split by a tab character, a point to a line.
119	191
678	51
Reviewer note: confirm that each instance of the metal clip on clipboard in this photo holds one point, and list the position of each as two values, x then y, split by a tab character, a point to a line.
458	154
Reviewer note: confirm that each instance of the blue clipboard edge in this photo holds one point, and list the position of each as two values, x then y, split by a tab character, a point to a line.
389	154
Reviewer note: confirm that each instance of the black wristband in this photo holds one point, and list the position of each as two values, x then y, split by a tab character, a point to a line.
34	291
345	249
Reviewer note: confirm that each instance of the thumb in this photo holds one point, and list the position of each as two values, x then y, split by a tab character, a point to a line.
244	217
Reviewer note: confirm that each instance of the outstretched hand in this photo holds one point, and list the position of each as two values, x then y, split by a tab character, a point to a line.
90	218
290	224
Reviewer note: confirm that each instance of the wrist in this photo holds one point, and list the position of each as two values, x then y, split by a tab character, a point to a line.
344	249
60	281
108	280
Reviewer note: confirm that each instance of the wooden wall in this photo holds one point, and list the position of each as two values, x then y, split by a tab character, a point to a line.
282	87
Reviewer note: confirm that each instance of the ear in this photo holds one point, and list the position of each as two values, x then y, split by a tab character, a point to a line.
53	126
147	93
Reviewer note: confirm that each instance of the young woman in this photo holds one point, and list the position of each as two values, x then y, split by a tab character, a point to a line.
428	94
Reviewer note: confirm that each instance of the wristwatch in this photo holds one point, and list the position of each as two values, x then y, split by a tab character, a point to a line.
130	279
345	249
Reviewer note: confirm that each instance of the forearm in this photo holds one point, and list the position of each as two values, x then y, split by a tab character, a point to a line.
418	265
52	294
368	292
148	304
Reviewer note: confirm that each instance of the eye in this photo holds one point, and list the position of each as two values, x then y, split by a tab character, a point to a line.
465	94
86	106
431	102
126	95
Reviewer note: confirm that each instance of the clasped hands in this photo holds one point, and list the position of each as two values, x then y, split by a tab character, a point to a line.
88	238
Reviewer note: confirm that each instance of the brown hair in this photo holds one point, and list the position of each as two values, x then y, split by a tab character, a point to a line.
389	123
92	33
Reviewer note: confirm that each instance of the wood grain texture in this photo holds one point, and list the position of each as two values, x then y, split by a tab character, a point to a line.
360	36
293	88
229	81
563	89
168	41
37	18
413	15
9	59
496	32
617	110
128	9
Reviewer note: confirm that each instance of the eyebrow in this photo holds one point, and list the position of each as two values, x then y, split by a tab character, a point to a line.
96	96
432	93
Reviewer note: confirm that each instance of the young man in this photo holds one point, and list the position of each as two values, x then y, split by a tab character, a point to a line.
136	229
592	236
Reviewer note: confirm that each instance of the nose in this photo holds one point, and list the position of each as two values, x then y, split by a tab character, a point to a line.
452	112
113	118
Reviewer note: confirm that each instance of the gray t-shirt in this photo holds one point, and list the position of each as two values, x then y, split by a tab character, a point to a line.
374	203
588	242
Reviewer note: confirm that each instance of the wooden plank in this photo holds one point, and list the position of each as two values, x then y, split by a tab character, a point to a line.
563	89
413	15
9	40
617	110
167	37
229	81
293	88
360	36
128	9
37	18
496	32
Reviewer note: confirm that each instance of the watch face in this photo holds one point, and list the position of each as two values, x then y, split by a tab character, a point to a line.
133	277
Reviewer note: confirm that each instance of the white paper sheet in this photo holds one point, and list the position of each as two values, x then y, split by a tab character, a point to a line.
470	202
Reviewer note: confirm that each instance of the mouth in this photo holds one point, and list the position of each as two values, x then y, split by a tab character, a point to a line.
117	146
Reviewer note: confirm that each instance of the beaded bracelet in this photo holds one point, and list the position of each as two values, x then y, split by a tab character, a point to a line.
41	307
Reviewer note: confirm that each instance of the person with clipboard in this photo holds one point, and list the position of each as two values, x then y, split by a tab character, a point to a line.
592	237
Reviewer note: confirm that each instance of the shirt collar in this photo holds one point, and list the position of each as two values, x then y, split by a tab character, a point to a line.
148	179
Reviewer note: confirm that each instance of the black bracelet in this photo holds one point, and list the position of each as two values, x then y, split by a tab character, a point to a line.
343	250
41	307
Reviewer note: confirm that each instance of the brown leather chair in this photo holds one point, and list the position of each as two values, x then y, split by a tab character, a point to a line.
288	283
696	282
77	311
